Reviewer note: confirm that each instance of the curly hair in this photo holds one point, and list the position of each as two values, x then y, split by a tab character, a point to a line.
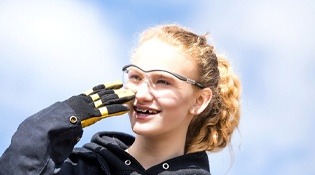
212	129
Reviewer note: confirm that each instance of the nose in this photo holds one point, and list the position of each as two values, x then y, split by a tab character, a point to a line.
144	91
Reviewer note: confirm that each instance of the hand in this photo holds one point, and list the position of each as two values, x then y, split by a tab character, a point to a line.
101	101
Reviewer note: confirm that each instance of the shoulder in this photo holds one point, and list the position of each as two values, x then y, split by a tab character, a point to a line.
103	144
81	161
109	139
187	164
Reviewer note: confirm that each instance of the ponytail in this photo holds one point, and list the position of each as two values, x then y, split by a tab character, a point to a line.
212	129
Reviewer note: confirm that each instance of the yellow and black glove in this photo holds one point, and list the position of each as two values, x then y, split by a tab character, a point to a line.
101	101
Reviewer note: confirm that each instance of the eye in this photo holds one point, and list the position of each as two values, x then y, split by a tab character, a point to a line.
161	79
163	82
134	77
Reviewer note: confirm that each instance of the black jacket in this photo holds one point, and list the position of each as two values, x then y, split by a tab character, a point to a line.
43	144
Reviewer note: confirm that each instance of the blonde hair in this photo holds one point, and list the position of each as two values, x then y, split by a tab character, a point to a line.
212	129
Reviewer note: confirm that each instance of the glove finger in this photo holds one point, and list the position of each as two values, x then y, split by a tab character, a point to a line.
113	110
121	97
119	92
109	85
109	111
98	94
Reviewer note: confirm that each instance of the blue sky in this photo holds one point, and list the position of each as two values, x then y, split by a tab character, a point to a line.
53	49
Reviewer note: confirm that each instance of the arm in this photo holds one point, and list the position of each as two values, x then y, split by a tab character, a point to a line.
43	141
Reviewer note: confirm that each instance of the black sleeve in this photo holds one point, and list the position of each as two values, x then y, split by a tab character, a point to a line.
82	165
42	142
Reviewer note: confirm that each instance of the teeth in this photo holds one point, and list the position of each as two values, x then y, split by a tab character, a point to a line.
150	111
146	111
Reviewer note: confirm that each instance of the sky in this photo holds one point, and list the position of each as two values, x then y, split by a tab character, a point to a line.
53	49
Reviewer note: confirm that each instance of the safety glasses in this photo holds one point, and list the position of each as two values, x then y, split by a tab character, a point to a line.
156	79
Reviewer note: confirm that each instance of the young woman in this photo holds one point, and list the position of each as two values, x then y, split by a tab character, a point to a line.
183	101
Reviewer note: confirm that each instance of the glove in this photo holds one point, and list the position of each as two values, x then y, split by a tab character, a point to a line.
101	101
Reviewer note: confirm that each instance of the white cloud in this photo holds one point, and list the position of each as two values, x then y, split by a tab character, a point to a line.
277	117
58	42
50	46
51	50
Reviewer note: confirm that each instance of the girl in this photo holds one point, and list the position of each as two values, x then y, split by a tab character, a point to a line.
183	100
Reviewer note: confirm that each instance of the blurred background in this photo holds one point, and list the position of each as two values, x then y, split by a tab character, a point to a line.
53	49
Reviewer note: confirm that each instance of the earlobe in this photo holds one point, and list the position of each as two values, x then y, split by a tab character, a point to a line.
202	101
193	110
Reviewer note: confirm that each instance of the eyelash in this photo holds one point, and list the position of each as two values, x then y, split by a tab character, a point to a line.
164	82
159	80
135	77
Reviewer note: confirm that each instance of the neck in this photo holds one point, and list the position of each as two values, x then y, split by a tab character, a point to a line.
152	151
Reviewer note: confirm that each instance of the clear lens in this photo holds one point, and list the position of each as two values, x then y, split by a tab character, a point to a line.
135	70
160	83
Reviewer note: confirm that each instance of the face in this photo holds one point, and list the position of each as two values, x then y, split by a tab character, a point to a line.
162	102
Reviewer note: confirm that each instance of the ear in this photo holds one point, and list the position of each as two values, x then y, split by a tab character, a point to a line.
203	98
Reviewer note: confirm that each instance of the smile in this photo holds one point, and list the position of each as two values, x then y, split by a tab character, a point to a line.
145	111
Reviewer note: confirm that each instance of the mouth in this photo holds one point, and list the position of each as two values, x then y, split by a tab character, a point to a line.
140	110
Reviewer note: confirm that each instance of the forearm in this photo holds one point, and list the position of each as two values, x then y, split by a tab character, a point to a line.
42	142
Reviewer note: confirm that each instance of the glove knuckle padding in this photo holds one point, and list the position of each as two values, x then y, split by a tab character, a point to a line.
116	108
83	109
101	101
109	85
110	99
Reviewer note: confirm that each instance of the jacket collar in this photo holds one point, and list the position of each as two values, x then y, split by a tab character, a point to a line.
115	143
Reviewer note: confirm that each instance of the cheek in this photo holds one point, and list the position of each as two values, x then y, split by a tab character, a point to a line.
168	102
175	111
126	86
179	102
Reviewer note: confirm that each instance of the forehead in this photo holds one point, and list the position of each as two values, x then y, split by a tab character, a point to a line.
156	54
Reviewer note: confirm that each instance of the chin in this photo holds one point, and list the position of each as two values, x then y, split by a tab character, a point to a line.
142	129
